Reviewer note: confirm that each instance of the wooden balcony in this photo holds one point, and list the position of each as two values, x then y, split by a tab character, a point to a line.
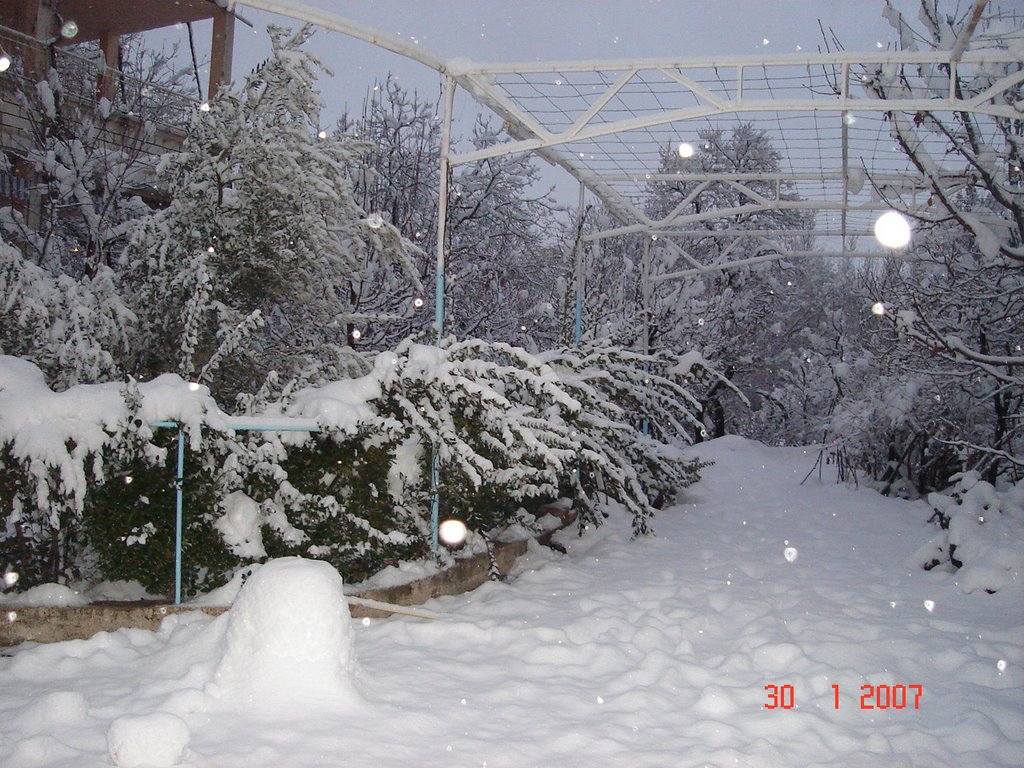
140	119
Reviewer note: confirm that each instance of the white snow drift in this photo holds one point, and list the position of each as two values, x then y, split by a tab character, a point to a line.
621	654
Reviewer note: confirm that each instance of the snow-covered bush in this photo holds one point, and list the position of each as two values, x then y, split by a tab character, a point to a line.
74	329
638	412
128	519
57	447
982	533
509	430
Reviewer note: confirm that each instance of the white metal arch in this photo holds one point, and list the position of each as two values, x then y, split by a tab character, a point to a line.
609	122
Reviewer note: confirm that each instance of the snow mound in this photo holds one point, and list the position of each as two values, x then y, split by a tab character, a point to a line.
58	708
158	740
119	591
289	636
46	596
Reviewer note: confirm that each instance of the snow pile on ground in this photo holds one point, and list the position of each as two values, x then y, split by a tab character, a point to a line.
158	740
623	654
289	636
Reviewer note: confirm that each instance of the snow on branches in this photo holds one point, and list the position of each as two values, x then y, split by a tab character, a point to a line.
509	429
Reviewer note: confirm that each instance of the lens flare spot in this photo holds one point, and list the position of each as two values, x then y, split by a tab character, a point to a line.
790	554
892	230
452	532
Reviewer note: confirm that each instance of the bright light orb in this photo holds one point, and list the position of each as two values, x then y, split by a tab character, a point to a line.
417	302
322	135
5	62
69	29
204	107
375	221
193	386
685	149
892	230
357	334
878	309
452	532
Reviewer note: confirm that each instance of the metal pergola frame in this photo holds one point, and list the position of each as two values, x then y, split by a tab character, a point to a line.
609	123
613	124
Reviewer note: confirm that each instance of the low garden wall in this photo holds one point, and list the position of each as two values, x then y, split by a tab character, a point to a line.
54	624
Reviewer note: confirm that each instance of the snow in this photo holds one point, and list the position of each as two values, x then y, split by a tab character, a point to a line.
241	526
45	596
122	591
289	637
158	740
631	653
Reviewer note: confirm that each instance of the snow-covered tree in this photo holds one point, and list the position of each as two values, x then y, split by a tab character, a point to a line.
962	311
398	178
76	330
85	162
257	261
728	318
502	267
725	315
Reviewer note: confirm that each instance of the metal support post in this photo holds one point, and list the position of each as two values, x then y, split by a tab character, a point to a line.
179	487
442	217
645	330
578	277
442	208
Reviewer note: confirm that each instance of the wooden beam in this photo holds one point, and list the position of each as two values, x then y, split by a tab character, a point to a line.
220	52
106	83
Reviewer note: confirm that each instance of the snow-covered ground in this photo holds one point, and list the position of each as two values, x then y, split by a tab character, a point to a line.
648	653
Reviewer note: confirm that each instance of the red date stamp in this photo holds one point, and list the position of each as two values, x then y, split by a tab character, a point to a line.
871	696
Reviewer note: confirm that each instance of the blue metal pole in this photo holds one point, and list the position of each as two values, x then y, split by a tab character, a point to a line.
442	222
435	500
179	485
645	340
